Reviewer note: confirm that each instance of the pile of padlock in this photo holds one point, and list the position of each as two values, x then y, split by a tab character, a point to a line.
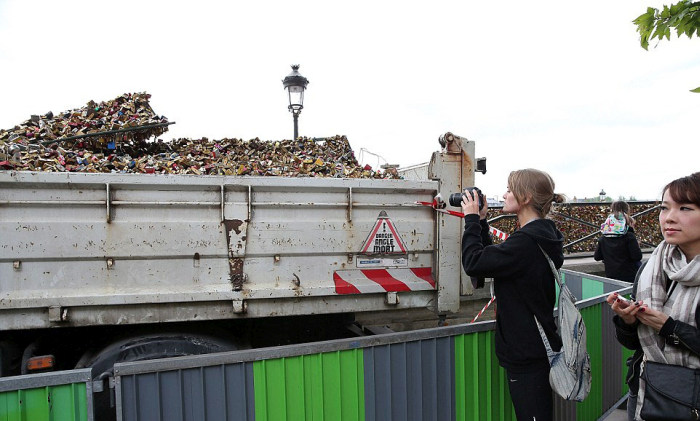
84	140
126	113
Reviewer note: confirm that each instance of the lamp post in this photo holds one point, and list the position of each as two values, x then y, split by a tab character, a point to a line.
295	84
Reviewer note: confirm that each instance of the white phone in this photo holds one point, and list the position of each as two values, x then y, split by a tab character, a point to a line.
624	299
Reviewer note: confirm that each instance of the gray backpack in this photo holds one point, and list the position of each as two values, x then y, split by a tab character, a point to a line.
570	373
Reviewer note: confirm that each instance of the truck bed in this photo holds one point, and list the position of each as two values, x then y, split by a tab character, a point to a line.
84	249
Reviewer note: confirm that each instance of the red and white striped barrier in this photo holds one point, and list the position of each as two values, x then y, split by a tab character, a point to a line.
434	204
497	233
502	235
362	281
387	280
493	298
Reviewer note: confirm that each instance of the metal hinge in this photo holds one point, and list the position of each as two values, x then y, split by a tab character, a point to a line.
237	280
58	314
240	306
392	298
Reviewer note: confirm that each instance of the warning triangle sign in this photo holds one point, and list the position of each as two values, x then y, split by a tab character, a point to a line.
384	238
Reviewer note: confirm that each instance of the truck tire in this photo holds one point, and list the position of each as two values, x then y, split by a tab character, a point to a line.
10	358
140	348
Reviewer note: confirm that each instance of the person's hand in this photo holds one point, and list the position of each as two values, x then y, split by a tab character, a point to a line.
610	299
625	309
470	203
652	318
485	210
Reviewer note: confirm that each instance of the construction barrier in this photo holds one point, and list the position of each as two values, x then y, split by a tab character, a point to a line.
445	373
59	396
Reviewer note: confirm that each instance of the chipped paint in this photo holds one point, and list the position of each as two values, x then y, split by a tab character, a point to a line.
235	263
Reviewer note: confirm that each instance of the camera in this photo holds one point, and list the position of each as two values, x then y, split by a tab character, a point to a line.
456	198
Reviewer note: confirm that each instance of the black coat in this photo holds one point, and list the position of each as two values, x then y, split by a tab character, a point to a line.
523	283
620	254
674	332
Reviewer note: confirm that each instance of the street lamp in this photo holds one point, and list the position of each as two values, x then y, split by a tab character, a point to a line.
602	195
295	84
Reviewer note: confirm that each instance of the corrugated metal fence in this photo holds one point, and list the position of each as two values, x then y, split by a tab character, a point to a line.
59	396
447	373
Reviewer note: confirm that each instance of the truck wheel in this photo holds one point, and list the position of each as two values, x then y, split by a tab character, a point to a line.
10	359
140	348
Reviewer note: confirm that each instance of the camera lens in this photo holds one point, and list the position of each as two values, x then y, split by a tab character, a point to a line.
455	199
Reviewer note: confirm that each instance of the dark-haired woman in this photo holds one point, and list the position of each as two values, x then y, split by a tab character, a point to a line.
662	323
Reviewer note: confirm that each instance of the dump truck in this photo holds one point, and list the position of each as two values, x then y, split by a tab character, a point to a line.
100	268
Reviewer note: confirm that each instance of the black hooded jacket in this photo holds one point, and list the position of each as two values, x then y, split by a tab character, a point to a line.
523	283
620	254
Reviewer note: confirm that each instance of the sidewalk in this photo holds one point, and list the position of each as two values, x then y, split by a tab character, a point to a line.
617	415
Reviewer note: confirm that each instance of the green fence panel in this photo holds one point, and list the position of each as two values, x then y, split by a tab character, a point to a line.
317	387
592	406
69	400
481	387
591	288
49	403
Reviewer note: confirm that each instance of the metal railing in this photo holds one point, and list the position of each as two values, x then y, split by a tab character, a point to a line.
588	224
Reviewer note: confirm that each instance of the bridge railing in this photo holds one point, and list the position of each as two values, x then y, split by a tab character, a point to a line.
580	223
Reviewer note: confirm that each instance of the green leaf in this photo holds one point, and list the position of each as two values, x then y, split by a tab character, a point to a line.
696	90
646	20
675	8
681	29
666	13
659	33
645	42
682	17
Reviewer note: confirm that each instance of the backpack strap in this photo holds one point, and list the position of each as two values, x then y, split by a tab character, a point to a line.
550	352
557	276
556	272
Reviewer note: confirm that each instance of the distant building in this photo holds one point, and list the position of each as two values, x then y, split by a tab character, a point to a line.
494	202
417	172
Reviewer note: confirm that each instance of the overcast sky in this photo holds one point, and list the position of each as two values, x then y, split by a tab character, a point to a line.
559	86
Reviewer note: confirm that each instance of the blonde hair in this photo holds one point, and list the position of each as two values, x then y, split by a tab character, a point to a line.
537	186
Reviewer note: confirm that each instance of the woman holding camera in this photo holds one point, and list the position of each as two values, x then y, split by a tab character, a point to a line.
662	324
523	284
